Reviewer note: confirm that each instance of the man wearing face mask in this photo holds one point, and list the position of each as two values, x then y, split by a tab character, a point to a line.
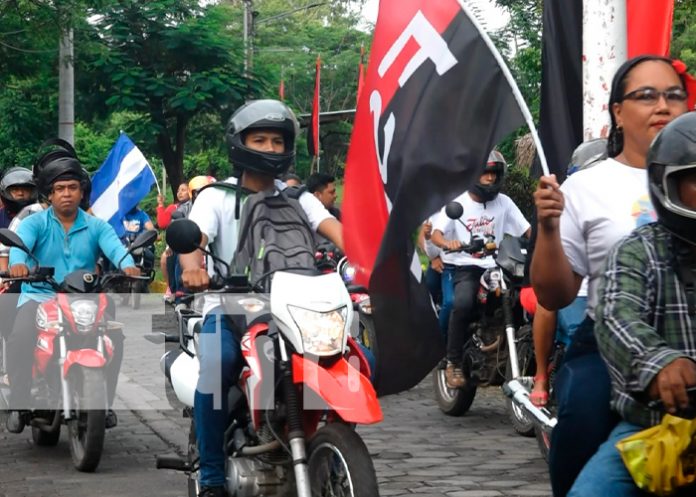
486	212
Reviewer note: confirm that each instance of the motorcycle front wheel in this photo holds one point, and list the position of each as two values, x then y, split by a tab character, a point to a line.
452	401
521	421
87	425
340	464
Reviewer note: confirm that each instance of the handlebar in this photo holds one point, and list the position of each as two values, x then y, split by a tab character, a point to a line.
478	246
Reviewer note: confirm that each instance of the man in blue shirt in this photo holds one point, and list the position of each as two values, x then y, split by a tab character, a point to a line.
63	237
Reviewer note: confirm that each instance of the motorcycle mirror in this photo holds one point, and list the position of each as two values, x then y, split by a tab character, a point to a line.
143	240
454	210
183	236
10	239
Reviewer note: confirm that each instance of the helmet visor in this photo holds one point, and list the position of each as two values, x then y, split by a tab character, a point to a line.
671	181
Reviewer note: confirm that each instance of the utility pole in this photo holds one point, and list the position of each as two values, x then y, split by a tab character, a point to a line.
248	30
604	50
66	87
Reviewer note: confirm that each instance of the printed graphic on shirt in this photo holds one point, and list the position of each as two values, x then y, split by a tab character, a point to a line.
643	211
483	225
132	225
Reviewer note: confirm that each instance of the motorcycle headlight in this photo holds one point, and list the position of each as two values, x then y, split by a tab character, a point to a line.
84	314
322	332
348	273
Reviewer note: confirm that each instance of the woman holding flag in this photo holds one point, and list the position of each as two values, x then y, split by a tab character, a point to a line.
579	223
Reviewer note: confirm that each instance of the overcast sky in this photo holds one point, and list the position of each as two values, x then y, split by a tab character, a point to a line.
494	17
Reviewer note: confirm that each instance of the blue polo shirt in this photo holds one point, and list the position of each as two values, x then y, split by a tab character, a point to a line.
79	248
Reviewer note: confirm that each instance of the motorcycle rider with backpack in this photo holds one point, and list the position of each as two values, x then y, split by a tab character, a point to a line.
260	138
486	212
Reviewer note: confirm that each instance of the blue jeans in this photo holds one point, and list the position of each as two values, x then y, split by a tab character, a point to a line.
606	474
569	320
585	420
221	363
447	282
432	281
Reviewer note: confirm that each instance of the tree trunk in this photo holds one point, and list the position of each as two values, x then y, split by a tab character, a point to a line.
173	163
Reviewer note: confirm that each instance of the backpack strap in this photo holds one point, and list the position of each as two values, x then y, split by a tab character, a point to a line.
295	192
238	190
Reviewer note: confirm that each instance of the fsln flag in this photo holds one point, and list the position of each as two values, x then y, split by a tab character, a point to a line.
361	73
436	100
648	31
649	27
121	182
560	108
313	131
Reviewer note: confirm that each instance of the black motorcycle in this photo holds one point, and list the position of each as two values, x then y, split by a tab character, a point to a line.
491	355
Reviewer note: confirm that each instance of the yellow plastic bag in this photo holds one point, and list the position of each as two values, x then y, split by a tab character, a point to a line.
662	458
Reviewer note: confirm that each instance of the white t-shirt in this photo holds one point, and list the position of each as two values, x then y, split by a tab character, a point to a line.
499	217
214	213
602	205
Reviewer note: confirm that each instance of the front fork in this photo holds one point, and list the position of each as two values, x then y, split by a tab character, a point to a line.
64	386
296	435
510	329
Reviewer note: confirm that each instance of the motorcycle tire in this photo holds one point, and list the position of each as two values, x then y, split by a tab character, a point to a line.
193	485
87	426
452	401
46	436
337	448
521	422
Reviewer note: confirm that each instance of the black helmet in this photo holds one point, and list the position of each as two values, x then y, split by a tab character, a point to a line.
261	114
673	151
587	154
54	149
496	164
16	176
62	168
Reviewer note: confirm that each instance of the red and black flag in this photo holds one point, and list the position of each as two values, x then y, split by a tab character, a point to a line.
435	102
649	28
313	130
361	74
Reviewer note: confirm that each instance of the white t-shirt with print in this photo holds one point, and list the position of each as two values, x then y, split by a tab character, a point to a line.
602	205
214	213
496	217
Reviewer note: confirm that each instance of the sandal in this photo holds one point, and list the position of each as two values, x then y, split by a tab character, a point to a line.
539	397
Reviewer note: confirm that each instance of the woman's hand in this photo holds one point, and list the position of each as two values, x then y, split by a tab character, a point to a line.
549	203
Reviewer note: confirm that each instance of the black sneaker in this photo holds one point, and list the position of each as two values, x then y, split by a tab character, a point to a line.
111	419
15	422
212	492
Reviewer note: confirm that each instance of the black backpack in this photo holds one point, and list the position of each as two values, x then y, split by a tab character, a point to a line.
274	234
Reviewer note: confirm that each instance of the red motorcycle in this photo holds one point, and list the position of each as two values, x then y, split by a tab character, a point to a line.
305	385
73	349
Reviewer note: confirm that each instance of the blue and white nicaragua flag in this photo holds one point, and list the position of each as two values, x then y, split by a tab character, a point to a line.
121	183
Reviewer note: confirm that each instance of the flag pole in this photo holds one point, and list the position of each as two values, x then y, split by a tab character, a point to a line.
513	86
318	111
604	49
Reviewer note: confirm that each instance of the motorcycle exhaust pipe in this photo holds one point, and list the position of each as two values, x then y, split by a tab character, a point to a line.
520	396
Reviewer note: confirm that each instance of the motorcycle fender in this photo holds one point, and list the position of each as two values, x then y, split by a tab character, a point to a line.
88	358
344	389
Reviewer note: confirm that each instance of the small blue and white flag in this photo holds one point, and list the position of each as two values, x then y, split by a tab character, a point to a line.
121	182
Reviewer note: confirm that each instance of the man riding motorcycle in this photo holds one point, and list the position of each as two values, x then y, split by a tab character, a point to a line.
486	212
63	237
260	138
17	190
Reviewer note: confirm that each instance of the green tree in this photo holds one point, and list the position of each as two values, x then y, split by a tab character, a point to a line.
169	60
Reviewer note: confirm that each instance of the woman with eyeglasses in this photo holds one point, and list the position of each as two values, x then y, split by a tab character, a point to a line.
578	224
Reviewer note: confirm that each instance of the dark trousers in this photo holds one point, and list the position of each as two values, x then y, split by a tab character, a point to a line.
20	355
466	285
434	284
585	420
8	311
171	271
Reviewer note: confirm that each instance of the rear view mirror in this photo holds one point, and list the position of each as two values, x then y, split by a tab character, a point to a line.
454	210
183	236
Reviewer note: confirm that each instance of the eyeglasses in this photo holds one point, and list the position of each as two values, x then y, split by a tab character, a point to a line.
650	96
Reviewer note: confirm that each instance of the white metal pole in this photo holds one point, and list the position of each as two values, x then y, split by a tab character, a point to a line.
66	87
604	50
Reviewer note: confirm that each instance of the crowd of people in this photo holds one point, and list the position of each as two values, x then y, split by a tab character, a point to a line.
623	259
